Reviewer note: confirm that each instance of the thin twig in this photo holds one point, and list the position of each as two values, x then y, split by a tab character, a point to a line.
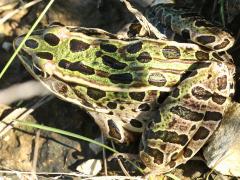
120	163
143	21
104	156
35	153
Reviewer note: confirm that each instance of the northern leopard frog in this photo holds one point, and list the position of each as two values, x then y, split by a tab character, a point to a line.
121	82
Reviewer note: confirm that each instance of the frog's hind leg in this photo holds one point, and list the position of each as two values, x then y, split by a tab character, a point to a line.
188	117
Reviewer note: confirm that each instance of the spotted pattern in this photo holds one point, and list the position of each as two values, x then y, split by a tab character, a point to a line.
138	96
112	105
186	113
205	39
213	116
219	99
201	55
95	94
202	133
134	48
157	79
31	43
78	45
144	57
171	52
76	66
112	62
136	123
158	155
137	57
51	39
45	55
222	45
108	47
200	93
171	137
125	78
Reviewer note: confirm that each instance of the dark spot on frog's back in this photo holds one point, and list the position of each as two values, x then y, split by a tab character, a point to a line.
201	134
171	52
31	43
112	105
51	39
201	93
144	57
76	66
95	94
112	62
187	113
219	99
134	48
157	79
135	123
125	78
213	116
45	55
222	45
168	136
78	45
205	39
108	47
201	55
138	96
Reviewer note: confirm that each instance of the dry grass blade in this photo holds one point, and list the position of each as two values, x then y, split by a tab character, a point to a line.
143	21
12	13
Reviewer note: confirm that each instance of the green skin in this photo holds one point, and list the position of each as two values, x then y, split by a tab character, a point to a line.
120	82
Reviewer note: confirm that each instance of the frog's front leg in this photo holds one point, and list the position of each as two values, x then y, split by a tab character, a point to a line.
188	117
112	127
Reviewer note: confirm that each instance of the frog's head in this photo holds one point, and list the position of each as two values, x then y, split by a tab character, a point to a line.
47	49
